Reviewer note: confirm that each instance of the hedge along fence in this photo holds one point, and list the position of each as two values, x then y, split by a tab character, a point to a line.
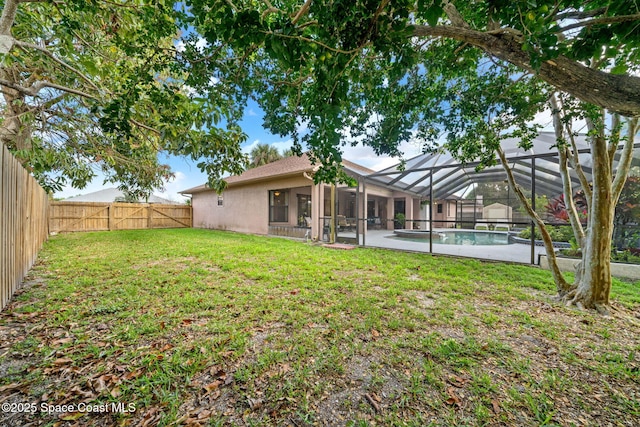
23	223
89	216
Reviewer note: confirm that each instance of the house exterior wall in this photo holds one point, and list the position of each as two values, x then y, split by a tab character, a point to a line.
447	217
246	207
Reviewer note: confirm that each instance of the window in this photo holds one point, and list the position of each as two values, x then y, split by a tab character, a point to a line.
278	206
220	200
439	207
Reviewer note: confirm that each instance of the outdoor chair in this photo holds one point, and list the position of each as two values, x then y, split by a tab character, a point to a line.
342	221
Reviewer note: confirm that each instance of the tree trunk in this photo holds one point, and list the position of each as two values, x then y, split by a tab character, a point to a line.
14	132
594	285
619	93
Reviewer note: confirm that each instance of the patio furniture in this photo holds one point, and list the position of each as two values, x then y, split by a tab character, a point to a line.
342	222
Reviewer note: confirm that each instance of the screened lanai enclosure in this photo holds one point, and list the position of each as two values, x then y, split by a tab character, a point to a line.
436	204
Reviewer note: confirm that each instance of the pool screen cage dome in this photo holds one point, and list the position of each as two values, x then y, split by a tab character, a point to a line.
439	176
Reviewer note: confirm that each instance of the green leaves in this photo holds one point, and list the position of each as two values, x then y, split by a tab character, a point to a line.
353	71
431	11
126	94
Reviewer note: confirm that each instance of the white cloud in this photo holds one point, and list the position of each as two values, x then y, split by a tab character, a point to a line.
365	156
251	113
544	119
283	145
247	148
172	186
303	127
189	91
95	185
279	145
201	44
178	183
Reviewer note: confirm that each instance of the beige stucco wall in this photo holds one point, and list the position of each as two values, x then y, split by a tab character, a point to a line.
246	208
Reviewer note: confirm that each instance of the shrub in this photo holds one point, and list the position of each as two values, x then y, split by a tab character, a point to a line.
559	233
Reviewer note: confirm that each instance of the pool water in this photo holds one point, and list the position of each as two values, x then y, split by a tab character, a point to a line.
455	237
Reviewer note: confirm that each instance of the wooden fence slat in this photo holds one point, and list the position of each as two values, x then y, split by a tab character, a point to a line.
72	226
138	209
23	223
3	232
119	216
170	217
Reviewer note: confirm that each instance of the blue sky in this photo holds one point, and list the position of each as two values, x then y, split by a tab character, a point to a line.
187	174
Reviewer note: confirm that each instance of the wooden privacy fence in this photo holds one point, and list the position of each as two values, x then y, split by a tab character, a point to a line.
87	216
23	223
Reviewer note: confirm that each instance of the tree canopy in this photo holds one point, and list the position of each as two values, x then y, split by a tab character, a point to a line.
88	83
343	67
262	154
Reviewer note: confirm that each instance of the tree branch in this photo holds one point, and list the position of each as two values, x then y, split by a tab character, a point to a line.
614	138
574	220
15	86
454	16
577	14
600	21
625	160
618	93
577	167
143	126
36	88
306	39
8	16
561	283
50	55
303	11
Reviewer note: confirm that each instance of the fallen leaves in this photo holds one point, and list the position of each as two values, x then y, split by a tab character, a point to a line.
373	400
62	341
453	398
457	381
62	361
71	416
10	387
496	406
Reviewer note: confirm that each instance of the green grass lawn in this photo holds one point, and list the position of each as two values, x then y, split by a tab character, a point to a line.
197	327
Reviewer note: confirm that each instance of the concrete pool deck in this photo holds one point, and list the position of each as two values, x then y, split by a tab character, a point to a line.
515	252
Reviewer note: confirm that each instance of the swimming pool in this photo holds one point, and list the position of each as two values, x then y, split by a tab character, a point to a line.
455	237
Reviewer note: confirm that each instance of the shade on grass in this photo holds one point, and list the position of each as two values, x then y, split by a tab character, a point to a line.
214	327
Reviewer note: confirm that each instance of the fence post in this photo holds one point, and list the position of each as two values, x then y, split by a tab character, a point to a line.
149	216
111	216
